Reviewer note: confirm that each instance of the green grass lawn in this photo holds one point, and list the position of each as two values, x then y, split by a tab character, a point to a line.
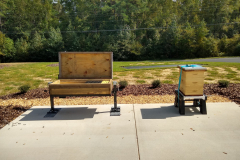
37	75
34	74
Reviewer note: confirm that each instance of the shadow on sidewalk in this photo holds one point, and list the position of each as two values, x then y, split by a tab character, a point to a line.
167	112
37	114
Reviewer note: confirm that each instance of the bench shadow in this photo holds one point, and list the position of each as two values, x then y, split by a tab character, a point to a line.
167	112
37	114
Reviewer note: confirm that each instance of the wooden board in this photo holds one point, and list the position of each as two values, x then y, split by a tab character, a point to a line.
80	87
85	65
192	83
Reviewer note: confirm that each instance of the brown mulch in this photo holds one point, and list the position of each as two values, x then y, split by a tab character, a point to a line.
232	91
13	105
53	65
9	113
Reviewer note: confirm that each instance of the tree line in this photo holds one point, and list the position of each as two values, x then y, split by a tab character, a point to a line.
36	30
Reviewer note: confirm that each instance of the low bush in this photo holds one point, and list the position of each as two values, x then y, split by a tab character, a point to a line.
24	88
156	83
223	83
123	84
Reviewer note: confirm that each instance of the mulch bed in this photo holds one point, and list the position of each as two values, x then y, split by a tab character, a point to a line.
9	113
232	91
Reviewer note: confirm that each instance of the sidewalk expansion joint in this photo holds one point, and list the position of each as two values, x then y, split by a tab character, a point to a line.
136	132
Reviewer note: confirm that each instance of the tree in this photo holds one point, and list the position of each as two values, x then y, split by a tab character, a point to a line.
7	48
53	45
22	50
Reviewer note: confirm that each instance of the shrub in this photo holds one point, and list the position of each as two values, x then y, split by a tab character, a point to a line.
123	84
24	88
223	83
156	83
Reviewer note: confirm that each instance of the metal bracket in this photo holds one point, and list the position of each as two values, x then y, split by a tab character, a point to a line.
115	111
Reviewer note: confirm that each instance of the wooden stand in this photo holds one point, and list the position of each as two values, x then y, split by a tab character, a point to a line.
198	101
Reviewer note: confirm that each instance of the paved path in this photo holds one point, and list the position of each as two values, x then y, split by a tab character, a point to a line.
234	60
143	131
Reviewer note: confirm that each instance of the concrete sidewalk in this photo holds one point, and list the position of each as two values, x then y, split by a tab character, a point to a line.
143	131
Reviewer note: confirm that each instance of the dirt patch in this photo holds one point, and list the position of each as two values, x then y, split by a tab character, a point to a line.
209	68
2	66
132	80
235	70
221	70
166	72
43	79
140	63
53	65
5	65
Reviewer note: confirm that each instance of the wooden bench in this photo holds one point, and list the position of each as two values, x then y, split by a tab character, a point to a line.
84	74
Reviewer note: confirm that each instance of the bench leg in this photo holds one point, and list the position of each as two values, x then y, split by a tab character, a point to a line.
52	103
203	107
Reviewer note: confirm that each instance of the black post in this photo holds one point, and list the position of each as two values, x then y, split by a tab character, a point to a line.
115	97
115	110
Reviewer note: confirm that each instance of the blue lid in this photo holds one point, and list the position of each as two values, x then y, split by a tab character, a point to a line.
192	67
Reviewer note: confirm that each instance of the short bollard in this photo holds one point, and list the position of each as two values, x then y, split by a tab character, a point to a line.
115	110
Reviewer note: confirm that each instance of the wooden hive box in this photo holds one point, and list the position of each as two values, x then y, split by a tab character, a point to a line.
192	81
83	73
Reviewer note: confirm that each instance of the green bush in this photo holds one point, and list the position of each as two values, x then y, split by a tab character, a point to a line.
24	88
156	83
223	83
123	84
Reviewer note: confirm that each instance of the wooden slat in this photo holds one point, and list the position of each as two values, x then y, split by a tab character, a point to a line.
77	81
85	65
192	82
79	91
66	66
56	82
72	86
192	74
79	87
